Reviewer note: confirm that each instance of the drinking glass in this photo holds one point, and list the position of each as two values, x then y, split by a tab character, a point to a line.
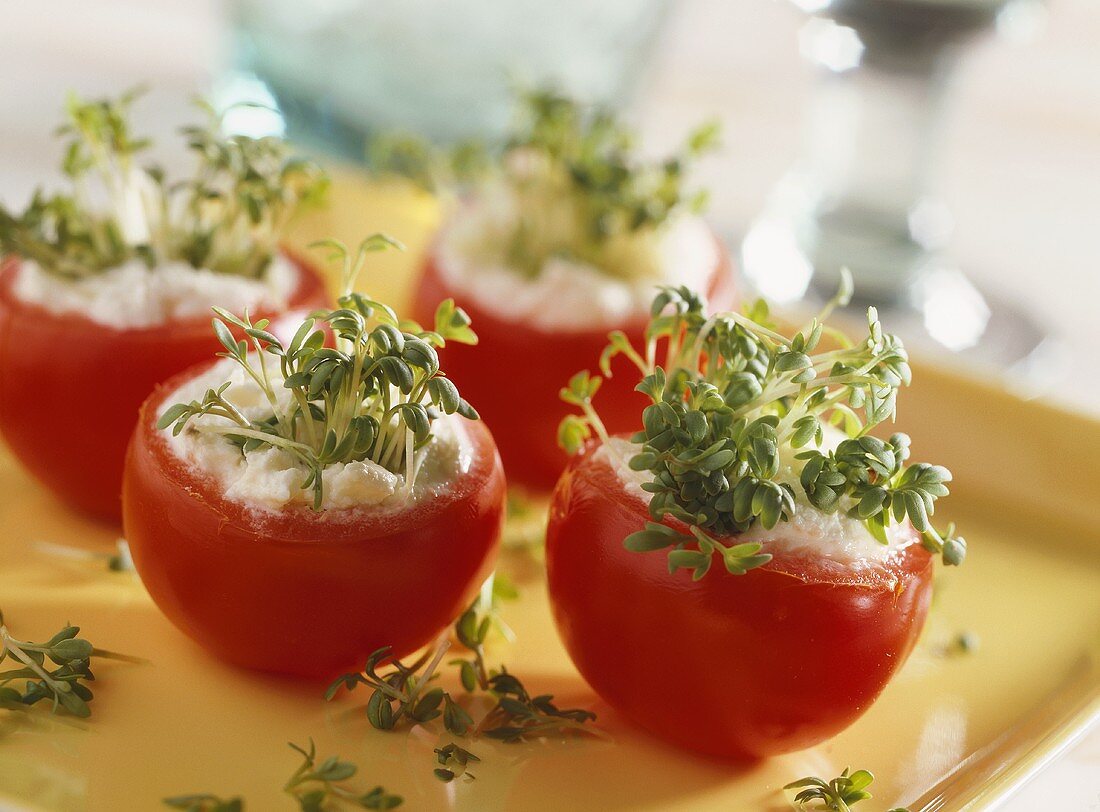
341	70
860	198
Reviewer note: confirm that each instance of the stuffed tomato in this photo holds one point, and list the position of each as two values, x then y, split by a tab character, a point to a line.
298	505
539	357
741	578
114	369
780	659
327	588
118	295
563	240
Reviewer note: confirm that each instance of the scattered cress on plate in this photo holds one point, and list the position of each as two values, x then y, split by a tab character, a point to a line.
744	575
113	279
560	237
298	505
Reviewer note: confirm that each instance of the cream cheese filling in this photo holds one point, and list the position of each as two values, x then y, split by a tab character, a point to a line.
565	294
810	532
133	296
270	479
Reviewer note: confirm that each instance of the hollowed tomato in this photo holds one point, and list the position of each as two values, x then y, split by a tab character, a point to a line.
736	666
514	375
70	388
301	592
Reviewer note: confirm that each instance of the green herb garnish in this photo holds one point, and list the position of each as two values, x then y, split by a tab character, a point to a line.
401	693
574	183
372	396
432	168
518	716
227	217
586	158
454	761
473	627
736	407
317	787
205	802
61	681
838	795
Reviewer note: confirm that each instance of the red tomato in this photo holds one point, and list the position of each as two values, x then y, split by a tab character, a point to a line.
70	387
736	666
514	375
299	592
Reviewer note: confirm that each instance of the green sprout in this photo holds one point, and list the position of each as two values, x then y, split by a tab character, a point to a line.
732	400
838	795
56	671
402	694
228	216
454	761
374	396
579	188
317	786
204	802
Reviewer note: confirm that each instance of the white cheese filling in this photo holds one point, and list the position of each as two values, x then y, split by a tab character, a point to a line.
565	294
132	296
809	532
270	479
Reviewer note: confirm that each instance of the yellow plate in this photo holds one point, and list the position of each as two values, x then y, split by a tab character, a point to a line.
950	732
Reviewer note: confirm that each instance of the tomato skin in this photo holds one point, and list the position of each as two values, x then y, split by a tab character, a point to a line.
297	592
775	660
514	375
87	381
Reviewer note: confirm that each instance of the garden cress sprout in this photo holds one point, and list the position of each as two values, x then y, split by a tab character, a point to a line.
838	795
227	217
56	671
403	692
372	396
573	181
731	399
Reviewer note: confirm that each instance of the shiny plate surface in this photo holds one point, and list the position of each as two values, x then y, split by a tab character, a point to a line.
950	732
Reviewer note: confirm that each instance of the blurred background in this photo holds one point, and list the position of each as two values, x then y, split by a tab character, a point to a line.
947	151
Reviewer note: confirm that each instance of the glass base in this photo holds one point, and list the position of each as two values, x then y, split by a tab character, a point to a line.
946	317
938	312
